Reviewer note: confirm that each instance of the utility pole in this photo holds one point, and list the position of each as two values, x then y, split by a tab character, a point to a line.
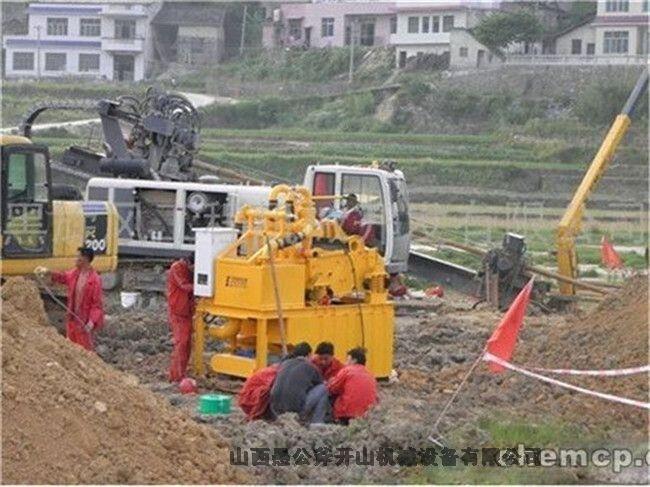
243	31
352	29
38	52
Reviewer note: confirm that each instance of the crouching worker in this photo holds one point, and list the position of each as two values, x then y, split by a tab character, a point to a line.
299	388
254	396
180	307
354	389
325	361
85	309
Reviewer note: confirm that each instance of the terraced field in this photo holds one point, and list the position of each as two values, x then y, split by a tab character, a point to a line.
470	188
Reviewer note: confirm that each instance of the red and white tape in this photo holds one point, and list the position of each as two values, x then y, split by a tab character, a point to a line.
609	397
597	373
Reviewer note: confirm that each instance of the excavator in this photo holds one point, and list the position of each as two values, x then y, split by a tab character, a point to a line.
36	229
571	222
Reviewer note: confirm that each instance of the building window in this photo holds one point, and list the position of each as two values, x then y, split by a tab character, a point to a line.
23	61
425	24
327	27
447	23
414	25
576	46
591	48
462	52
646	5
393	25
367	34
402	59
55	61
617	5
615	42
295	29
88	62
435	24
124	29
90	28
57	27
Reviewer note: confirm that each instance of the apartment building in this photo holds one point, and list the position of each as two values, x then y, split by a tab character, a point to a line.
330	24
109	41
426	27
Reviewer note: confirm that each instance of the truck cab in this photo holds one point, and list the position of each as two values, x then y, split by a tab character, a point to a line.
383	199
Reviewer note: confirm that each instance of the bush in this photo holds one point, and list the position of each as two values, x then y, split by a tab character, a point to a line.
414	89
256	114
295	64
520	111
359	105
600	102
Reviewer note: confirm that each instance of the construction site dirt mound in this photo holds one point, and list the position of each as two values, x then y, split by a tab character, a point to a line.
67	417
614	335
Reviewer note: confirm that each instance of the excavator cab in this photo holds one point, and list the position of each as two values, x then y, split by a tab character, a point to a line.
27	201
37	230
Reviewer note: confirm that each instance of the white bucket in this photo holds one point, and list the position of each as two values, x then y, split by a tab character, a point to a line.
129	299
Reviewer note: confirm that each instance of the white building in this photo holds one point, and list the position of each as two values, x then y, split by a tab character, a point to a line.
622	27
617	35
109	40
426	27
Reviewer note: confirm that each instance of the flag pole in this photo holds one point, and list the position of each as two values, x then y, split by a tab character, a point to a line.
512	319
451	400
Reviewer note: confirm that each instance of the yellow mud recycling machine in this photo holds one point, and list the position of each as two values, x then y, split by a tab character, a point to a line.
290	278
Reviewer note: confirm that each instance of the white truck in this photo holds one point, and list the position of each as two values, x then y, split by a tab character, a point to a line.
158	218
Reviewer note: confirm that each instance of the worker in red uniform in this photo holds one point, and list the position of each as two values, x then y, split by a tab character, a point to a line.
325	361
255	395
354	388
85	309
180	309
352	220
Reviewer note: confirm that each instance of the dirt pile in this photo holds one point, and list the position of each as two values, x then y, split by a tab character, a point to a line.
434	352
614	335
70	418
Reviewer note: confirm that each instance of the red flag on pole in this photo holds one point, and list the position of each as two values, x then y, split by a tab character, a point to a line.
502	342
608	256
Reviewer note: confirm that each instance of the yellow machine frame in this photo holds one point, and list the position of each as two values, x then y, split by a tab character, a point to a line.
281	241
571	222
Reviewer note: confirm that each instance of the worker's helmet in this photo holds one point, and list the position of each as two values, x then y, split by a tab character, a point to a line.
188	386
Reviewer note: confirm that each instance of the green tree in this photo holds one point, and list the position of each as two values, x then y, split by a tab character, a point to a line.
498	30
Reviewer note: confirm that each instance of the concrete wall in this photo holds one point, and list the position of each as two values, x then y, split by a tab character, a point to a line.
213	44
467	53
